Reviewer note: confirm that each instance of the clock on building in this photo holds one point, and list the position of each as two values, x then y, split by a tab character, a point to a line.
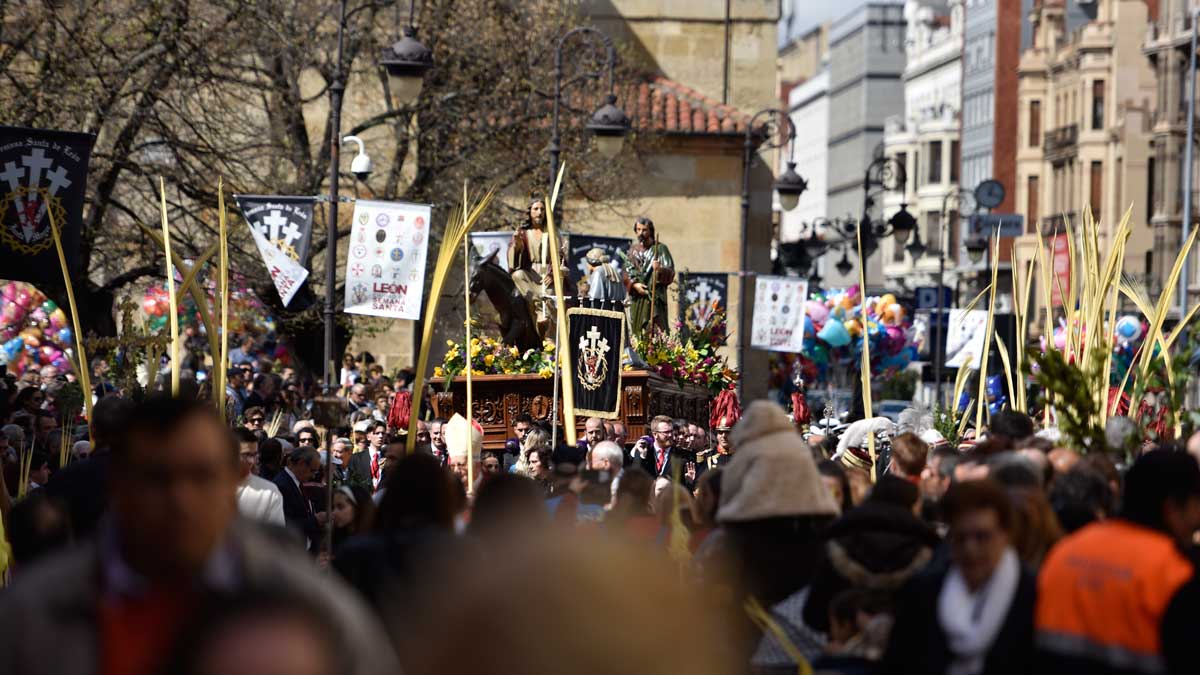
989	193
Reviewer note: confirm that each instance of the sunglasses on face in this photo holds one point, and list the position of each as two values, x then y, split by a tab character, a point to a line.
256	420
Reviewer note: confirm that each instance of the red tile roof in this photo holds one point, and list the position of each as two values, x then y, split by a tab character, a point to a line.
666	106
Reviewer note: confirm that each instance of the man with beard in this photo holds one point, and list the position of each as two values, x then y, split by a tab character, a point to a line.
530	262
649	270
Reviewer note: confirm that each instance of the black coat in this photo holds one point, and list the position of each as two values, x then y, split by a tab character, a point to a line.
297	510
917	645
358	470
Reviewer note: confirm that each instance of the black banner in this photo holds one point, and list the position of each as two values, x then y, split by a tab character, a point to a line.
287	223
43	177
595	337
579	244
700	293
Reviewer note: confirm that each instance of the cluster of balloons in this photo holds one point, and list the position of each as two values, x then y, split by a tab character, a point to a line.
34	331
1128	335
835	327
246	311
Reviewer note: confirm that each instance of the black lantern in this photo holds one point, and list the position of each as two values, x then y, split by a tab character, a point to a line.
915	247
976	246
843	265
789	186
610	125
902	223
406	62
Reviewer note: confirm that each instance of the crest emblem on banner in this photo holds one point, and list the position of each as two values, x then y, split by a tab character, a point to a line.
593	359
282	231
31	191
702	300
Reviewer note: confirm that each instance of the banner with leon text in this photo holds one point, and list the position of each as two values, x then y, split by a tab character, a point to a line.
385	267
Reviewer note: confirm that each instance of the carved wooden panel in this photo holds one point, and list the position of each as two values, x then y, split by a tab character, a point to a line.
497	400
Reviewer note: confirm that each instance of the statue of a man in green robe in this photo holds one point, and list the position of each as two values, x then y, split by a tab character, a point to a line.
649	271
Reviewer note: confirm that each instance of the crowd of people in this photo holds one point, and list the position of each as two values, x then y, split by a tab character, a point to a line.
174	538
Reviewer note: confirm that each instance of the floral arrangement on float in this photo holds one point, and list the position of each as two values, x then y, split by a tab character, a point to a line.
690	356
490	356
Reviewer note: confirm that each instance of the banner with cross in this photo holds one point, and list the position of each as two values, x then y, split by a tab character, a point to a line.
43	177
701	296
284	223
595	338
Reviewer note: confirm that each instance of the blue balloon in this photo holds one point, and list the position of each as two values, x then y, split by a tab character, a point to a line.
64	336
13	347
835	334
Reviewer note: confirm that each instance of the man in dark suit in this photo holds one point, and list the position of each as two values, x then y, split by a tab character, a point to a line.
302	464
366	468
659	458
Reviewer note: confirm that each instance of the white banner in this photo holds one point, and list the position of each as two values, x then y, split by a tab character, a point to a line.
778	324
486	242
385	266
287	274
965	338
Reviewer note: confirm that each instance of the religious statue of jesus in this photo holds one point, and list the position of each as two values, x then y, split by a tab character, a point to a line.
649	270
529	262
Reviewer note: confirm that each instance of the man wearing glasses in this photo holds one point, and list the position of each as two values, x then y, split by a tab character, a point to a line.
656	458
254	419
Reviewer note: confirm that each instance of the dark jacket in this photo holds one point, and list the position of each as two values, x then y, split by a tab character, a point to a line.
876	546
674	456
917	645
297	510
358	470
83	487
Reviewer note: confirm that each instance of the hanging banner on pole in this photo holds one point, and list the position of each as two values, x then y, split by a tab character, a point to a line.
595	337
385	266
578	246
1060	284
283	223
701	295
778	324
965	338
287	274
41	170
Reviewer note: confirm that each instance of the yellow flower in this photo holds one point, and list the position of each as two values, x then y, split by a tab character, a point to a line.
548	347
475	350
477	372
546	373
474	342
514	351
438	372
489	360
449	343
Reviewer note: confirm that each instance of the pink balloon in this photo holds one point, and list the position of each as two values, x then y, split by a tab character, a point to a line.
10	291
817	311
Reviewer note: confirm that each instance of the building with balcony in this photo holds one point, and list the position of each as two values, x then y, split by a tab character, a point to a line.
926	141
1168	38
1084	133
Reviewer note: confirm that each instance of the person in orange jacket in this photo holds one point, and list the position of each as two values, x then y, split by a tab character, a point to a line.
1120	595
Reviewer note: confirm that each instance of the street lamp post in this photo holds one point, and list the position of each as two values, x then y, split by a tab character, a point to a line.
408	59
777	129
405	61
608	124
